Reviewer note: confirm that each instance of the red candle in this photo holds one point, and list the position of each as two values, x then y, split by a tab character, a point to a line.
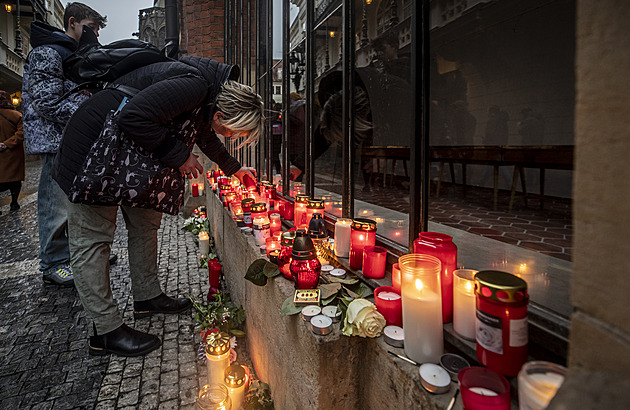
246	204
374	258
483	389
363	234
299	209
195	189
259	210
442	247
271	244
249	182
275	225
280	207
288	211
285	256
313	206
396	277
214	273
389	304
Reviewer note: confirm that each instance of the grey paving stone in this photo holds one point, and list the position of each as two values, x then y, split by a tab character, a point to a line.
130	384
149	402
132	369
128	398
105	405
169	405
112	378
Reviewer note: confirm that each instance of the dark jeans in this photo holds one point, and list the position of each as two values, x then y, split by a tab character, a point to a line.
15	187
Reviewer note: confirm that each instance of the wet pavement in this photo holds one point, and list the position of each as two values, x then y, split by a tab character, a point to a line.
44	361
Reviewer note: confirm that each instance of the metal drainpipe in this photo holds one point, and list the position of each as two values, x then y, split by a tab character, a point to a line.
172	27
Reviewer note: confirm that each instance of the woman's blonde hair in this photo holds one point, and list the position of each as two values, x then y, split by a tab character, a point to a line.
243	110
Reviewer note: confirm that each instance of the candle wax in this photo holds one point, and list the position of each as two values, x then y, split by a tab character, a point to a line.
483	391
422	316
394	332
434	377
321	321
338	272
327	268
389	296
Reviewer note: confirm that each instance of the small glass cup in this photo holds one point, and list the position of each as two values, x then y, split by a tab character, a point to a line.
214	397
538	383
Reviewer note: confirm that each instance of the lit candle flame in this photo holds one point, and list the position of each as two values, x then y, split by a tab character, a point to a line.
469	286
419	284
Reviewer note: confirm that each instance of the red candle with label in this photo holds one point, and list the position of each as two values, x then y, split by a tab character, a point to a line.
501	328
389	303
246	205
442	247
299	209
195	189
363	234
374	259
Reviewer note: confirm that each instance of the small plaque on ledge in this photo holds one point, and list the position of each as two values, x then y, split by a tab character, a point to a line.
305	297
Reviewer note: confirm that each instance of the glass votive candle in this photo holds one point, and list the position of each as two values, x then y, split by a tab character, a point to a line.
363	233
288	211
389	303
214	397
271	244
275	224
464	310
483	389
538	383
374	258
396	277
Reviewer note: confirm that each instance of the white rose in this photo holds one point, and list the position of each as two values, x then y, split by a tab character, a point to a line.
362	319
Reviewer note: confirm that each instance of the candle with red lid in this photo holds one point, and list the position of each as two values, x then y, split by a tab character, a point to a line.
442	247
299	209
501	326
389	304
305	267
363	234
194	189
259	210
312	206
246	205
374	259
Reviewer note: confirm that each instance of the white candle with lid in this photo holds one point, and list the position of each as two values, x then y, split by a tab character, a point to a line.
434	378
388	296
310	311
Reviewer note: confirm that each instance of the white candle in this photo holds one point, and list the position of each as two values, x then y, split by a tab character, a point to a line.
434	378
327	268
321	324
483	391
204	243
310	311
201	188
422	316
388	296
332	312
394	336
538	383
338	273
261	230
464	303
343	228
236	382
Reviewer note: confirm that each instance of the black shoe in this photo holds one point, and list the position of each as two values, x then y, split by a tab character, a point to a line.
14	206
160	304
113	258
123	341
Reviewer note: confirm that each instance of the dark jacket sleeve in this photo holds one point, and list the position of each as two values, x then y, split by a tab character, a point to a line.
145	118
212	146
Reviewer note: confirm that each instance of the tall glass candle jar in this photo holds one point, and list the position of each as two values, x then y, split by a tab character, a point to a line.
363	234
422	307
305	267
218	356
343	227
228	198
275	224
442	247
194	188
204	243
464	310
236	383
501	327
313	206
285	258
288	211
261	229
249	182
258	210
538	383
214	397
299	209
374	260
246	204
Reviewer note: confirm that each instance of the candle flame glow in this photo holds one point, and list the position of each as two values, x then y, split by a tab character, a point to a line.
419	284
469	286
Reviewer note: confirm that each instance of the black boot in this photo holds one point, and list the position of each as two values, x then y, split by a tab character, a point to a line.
123	341
160	304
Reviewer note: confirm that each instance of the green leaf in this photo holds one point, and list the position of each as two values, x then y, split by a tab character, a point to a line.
237	333
328	301
256	274
345	281
328	290
289	308
271	270
351	293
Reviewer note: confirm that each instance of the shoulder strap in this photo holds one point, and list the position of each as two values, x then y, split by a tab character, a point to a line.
102	85
11	122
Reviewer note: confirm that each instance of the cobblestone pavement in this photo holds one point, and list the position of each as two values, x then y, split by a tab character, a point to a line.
44	361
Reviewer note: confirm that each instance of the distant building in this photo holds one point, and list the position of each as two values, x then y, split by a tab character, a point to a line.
152	24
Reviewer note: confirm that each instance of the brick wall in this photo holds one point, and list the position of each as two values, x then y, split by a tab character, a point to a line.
202	28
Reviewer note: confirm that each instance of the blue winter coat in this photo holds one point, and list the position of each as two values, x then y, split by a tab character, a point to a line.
43	83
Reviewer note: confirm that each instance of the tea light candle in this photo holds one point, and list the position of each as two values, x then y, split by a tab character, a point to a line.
374	258
338	273
434	379
483	389
327	268
308	312
271	244
396	277
453	363
204	243
332	312
194	189
394	336
321	325
464	310
389	304
343	228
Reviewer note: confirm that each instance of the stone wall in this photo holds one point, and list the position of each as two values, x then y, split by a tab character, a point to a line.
306	371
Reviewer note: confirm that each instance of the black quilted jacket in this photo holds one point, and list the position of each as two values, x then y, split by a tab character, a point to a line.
168	91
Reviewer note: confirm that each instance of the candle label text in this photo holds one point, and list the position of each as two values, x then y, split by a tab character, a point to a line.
518	332
489	332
